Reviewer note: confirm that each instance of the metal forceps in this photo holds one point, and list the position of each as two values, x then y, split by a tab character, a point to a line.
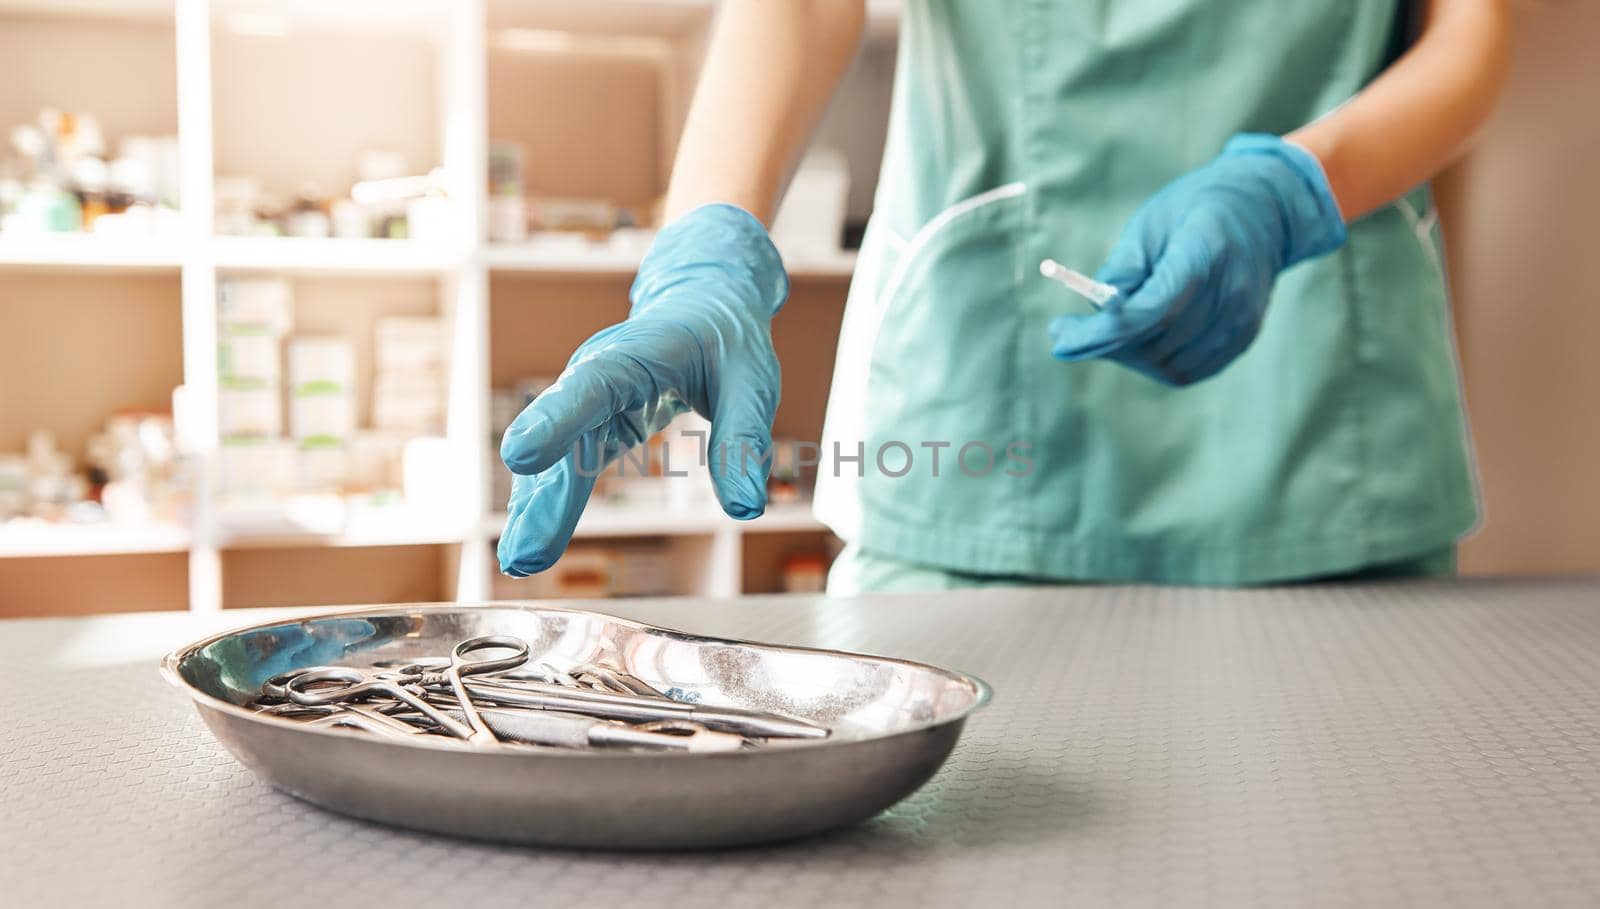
431	672
328	685
461	666
355	716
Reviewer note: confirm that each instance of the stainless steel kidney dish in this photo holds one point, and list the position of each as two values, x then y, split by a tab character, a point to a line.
889	724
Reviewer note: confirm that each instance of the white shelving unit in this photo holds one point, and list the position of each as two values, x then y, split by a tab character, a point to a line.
459	37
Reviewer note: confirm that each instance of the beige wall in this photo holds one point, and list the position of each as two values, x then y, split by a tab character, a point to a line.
1522	221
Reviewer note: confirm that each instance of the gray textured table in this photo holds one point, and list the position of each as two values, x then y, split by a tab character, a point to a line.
1355	745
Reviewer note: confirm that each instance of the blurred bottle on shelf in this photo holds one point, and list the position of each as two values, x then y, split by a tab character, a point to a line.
387	201
790	479
131	473
805	572
560	225
59	179
507	213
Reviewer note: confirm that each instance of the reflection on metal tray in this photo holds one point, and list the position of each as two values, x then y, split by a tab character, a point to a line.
892	724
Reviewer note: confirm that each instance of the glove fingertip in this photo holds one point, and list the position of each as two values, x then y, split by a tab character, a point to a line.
739	470
744	503
522	448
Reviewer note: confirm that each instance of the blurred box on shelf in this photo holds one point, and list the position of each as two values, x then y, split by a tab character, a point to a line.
322	415
257	466
408	403
246	356
322	374
323	465
375	459
263	305
321	363
249	409
408	391
811	219
643	570
410	343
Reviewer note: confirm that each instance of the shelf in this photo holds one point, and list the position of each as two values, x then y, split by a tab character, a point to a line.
248	71
561	258
300	255
78	251
281	18
27	540
602	259
317	523
607	520
114	10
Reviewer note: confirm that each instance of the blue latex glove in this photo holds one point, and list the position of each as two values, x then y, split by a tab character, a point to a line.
1195	267
698	336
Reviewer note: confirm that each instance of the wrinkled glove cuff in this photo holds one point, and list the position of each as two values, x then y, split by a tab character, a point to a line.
1315	225
717	237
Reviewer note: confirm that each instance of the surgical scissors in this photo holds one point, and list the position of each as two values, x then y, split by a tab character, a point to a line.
325	685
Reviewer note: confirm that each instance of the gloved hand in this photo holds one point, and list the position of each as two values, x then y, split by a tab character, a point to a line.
697	336
1195	267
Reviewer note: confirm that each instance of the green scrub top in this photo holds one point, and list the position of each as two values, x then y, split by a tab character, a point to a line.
1032	129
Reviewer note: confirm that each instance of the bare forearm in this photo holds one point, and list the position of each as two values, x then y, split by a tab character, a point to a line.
1415	118
769	71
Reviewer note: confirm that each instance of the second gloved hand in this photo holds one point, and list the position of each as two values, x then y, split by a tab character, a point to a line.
697	336
1195	267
